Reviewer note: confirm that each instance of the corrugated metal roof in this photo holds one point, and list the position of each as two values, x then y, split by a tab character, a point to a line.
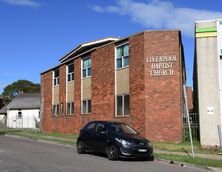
25	101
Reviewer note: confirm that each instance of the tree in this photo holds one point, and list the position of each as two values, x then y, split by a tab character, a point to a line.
20	86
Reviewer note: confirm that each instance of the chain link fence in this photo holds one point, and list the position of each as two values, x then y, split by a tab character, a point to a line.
194	124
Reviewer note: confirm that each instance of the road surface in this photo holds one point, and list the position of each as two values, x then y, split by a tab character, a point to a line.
21	155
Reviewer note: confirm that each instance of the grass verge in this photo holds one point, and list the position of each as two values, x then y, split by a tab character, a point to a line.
185	147
69	139
186	159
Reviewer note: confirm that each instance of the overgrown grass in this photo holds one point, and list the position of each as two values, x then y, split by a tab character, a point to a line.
185	146
186	159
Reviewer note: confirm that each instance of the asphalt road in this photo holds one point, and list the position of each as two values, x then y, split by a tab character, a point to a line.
19	155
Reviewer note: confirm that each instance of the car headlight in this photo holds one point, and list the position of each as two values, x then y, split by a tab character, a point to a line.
150	144
123	142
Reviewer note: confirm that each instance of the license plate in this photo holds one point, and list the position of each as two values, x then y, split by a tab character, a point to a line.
142	150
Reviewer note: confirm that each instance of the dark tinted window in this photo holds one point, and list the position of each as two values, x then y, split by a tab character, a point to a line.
123	128
90	126
100	127
56	73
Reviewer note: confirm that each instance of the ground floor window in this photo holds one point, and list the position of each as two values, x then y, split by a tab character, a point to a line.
55	109
122	105
70	108
19	114
86	106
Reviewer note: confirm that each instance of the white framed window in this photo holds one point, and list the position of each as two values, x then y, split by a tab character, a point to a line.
122	56
86	67
70	72
70	108
86	106
55	109
122	105
56	77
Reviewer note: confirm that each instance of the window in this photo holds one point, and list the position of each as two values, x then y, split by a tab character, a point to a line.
123	105
122	56
86	106
70	71
55	109
19	114
123	128
100	128
70	108
90	126
86	67
56	77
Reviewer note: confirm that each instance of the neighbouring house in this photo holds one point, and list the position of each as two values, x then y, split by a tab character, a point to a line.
3	117
207	79
137	80
24	111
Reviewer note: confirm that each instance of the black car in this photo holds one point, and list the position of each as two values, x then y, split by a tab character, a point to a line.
115	139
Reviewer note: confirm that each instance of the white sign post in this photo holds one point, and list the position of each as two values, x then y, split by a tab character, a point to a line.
188	120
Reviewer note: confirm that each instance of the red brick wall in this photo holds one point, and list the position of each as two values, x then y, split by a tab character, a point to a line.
103	83
137	82
190	98
163	93
155	104
46	91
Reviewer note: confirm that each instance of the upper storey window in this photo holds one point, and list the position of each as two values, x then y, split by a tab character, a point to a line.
56	77
86	67
122	56
70	72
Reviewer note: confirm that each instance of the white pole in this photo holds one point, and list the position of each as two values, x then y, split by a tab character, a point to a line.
188	120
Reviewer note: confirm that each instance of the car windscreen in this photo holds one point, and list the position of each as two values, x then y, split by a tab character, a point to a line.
123	128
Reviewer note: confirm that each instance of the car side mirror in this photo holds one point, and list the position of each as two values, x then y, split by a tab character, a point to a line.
103	132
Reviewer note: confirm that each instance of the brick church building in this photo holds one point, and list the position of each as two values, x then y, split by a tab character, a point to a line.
136	80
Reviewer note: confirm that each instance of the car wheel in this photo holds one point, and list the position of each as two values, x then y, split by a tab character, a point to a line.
80	147
112	153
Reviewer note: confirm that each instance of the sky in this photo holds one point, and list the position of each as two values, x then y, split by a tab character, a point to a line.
34	34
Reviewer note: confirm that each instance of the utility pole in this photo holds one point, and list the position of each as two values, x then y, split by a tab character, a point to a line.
188	120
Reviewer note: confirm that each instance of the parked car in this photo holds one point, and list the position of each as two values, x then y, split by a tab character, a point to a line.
114	139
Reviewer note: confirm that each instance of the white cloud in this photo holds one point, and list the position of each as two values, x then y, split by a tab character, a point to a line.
28	3
157	14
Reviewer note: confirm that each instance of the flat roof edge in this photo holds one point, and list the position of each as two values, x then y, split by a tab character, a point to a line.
210	20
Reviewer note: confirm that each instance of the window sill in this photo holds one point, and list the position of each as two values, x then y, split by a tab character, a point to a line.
70	115
55	116
56	85
122	68
86	77
70	81
122	116
85	114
